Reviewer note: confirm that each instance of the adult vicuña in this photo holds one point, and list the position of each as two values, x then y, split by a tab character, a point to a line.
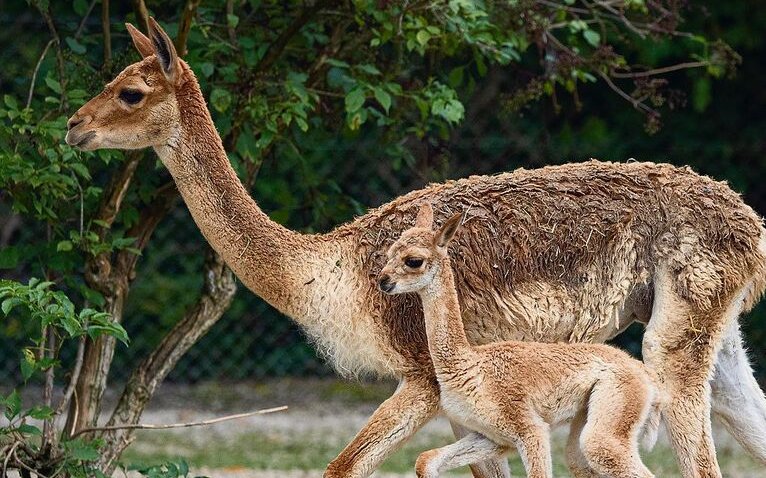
567	253
508	393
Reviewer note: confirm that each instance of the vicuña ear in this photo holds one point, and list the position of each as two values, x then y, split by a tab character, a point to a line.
448	229
425	217
142	42
165	50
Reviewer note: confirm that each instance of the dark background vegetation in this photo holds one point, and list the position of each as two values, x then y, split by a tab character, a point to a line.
326	176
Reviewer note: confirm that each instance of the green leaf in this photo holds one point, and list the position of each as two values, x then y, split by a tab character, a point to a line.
11	102
207	69
53	85
592	37
27	429
76	46
354	100
9	304
12	405
423	36
221	99
383	98
28	364
64	246
40	412
232	20
369	69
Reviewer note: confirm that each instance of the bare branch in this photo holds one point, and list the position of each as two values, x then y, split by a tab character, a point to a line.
50	353
46	13
73	379
637	104
107	29
184	25
81	27
34	73
660	71
142	15
146	426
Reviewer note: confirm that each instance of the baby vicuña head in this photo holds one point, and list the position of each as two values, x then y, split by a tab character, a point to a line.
416	258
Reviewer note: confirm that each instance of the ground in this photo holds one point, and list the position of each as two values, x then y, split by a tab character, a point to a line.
323	416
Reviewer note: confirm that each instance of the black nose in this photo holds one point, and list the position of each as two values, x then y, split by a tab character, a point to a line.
385	284
73	121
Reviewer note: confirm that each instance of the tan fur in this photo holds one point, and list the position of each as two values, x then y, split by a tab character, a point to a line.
565	253
510	392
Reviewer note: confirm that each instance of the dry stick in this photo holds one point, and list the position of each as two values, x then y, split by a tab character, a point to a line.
146	426
636	104
34	73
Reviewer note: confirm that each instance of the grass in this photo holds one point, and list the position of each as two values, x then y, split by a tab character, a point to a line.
312	451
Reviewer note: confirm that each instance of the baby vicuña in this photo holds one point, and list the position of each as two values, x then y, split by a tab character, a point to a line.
510	393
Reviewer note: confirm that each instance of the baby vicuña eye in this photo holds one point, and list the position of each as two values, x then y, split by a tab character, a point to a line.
131	97
413	262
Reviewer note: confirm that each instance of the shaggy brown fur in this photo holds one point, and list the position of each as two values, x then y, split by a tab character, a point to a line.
509	393
566	253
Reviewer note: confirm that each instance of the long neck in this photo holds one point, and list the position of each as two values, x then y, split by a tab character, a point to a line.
447	341
264	255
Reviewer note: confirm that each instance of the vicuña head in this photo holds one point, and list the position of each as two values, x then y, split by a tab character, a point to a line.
138	109
419	253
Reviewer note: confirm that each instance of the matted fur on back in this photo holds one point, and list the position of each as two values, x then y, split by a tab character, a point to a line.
590	231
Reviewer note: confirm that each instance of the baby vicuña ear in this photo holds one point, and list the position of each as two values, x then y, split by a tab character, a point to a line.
448	230
142	42
425	217
165	50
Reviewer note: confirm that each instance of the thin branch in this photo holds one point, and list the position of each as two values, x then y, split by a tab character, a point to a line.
184	25
34	73
232	32
146	426
73	379
660	71
636	103
50	345
142	15
27	467
81	27
107	29
46	13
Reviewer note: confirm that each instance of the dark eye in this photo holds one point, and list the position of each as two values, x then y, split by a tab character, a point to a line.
131	97
413	262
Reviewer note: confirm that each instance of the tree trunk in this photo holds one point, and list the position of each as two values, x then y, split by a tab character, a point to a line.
217	294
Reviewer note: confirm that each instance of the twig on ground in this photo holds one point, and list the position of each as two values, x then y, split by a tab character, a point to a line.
146	426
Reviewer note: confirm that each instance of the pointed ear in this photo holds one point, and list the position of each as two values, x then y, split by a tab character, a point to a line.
165	50
141	41
425	217
448	229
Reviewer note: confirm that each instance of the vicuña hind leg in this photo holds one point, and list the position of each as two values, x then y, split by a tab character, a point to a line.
680	344
578	464
472	448
609	439
737	398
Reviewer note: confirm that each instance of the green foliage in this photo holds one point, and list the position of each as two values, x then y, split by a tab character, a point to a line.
179	469
360	102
